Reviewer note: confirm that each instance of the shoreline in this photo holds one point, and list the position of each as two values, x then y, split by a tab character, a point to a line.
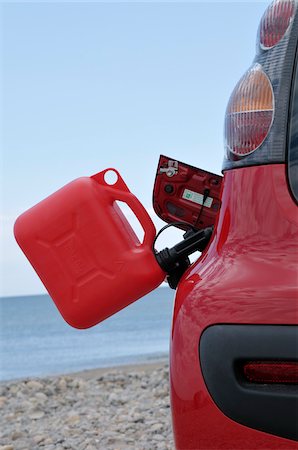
125	368
97	371
110	408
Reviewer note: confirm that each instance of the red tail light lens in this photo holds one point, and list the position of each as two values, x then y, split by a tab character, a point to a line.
275	22
271	372
249	113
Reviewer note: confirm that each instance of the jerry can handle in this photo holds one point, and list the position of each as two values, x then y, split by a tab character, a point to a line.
119	191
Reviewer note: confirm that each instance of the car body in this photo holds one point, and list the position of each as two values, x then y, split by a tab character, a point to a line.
237	306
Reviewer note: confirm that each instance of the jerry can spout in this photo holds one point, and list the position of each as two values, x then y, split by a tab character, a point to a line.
175	261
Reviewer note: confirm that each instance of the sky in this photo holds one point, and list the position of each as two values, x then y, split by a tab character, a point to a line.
87	86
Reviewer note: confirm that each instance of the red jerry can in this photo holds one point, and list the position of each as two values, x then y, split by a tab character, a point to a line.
85	251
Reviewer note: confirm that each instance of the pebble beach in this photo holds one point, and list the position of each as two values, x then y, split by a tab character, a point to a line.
110	409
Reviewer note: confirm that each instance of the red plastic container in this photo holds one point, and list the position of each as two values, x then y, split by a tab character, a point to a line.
85	251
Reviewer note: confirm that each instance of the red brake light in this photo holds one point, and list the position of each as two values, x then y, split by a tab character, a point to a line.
271	372
275	22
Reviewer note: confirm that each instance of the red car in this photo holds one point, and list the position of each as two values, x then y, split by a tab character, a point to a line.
234	343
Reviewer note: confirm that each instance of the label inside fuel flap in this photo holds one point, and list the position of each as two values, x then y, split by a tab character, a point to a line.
179	192
197	198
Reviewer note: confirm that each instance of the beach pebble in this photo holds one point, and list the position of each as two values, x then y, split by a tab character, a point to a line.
41	397
16	435
38	438
13	389
62	384
2	401
73	420
156	427
34	385
36	415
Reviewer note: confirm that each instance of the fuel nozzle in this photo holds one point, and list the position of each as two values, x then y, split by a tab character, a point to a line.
174	261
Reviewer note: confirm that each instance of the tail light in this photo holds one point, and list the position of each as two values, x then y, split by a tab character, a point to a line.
249	113
276	22
270	372
256	121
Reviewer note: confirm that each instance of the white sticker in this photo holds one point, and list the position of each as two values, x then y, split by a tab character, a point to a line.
195	197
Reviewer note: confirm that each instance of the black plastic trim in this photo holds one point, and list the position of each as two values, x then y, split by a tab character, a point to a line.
270	408
292	132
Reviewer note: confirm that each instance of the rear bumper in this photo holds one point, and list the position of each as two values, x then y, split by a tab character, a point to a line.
224	349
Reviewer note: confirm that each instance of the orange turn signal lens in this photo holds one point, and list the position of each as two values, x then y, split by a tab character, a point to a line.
250	112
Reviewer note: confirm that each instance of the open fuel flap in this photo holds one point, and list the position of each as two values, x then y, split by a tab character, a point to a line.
183	193
188	198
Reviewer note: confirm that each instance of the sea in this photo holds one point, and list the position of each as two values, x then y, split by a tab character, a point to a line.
35	341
